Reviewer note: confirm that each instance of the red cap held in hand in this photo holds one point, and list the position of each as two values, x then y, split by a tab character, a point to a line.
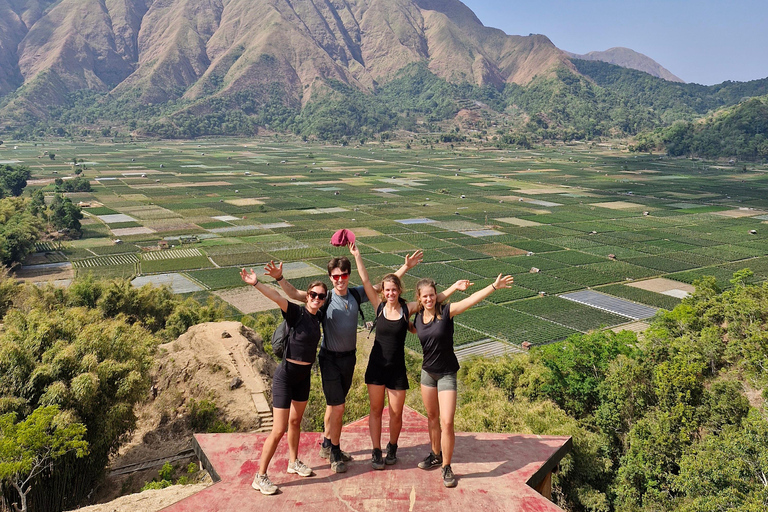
342	237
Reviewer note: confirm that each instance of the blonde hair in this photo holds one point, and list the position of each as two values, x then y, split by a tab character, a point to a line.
424	283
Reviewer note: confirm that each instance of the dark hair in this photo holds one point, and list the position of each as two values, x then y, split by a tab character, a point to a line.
317	283
340	262
423	283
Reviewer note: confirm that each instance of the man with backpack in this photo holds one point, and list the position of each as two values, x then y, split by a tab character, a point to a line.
337	351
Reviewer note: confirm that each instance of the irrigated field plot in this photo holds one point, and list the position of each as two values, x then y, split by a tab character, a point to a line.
560	220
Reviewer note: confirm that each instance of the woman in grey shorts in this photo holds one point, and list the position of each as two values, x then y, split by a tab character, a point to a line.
386	373
434	326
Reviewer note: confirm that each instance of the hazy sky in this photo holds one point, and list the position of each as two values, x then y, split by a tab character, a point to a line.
703	41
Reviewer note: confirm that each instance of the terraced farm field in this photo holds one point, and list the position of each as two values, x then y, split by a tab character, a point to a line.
560	219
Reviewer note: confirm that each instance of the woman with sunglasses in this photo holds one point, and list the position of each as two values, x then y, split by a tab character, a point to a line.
434	326
290	384
337	357
386	373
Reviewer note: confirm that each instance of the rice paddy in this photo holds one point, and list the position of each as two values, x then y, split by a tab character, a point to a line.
561	219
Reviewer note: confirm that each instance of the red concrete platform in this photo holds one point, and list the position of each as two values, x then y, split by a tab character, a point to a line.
494	472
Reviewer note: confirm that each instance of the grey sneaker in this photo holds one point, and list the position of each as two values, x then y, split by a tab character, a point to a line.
376	461
337	463
299	468
325	453
263	484
391	457
448	479
431	461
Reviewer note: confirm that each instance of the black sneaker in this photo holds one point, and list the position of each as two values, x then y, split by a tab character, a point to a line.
337	462
376	461
391	457
431	461
448	479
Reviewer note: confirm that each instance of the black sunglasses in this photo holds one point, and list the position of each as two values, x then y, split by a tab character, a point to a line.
315	295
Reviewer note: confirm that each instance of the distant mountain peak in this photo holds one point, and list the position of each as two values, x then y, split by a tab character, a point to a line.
628	58
157	51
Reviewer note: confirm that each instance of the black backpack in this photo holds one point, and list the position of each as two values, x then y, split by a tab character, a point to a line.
280	338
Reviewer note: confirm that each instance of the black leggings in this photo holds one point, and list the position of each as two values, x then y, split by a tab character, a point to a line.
290	382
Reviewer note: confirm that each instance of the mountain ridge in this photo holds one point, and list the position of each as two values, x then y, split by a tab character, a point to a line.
162	50
628	58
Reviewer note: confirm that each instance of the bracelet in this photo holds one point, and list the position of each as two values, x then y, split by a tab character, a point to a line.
257	282
279	279
494	288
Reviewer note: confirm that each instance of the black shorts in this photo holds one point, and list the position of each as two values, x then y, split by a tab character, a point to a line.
336	369
392	376
290	383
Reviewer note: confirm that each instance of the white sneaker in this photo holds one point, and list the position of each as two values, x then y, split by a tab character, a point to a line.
263	484
299	468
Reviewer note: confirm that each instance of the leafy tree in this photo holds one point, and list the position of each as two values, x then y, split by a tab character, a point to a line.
65	216
578	365
29	447
13	180
727	471
8	290
93	369
19	230
76	184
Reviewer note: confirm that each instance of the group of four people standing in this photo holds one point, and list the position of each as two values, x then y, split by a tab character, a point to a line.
337	312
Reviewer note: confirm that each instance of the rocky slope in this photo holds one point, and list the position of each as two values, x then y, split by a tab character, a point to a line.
161	50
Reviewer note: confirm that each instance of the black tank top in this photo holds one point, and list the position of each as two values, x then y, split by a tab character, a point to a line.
389	344
436	339
303	339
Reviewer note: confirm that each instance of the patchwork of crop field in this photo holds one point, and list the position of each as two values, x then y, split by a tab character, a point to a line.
196	211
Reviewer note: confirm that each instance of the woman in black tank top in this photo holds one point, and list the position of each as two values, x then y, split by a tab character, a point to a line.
290	384
386	375
434	326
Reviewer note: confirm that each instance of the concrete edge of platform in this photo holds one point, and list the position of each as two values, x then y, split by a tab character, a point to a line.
204	460
550	465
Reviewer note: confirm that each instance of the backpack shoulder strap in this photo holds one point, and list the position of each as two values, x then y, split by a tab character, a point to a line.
379	312
357	297
324	308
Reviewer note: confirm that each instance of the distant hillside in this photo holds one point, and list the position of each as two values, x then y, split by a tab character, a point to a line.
628	58
153	52
735	132
333	71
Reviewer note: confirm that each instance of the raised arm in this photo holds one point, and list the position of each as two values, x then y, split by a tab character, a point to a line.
370	291
411	260
461	284
252	279
276	272
465	304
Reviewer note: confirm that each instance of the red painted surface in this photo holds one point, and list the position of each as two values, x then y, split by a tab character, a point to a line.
491	470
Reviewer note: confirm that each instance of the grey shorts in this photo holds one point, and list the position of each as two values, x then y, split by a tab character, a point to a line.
445	382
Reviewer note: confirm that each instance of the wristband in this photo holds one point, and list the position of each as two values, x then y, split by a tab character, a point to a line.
279	279
257	282
494	288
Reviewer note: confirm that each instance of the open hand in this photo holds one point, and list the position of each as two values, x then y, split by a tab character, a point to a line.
411	260
249	277
273	271
503	282
462	284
